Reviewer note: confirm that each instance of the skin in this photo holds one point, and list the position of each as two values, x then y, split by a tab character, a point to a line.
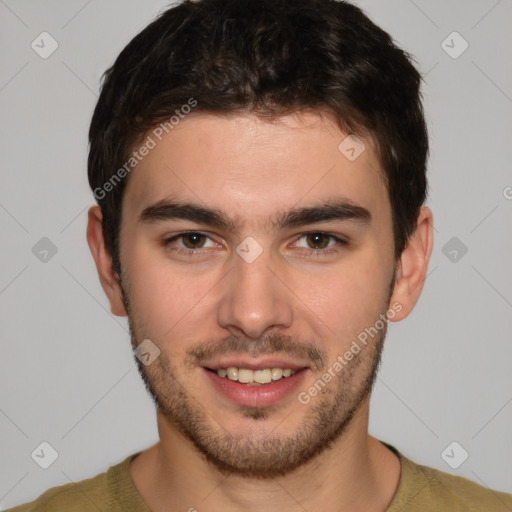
214	454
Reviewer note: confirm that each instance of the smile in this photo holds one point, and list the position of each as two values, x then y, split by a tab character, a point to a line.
255	377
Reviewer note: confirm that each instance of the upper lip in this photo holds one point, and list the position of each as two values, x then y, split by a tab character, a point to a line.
258	363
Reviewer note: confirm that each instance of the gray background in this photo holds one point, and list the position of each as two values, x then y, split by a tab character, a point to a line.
67	375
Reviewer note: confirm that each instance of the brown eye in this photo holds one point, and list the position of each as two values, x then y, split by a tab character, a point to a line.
193	240
320	243
318	240
190	243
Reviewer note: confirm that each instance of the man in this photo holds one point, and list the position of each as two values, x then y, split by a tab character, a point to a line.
259	168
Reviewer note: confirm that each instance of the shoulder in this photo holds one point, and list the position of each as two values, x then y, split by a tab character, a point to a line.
98	493
465	493
427	489
71	496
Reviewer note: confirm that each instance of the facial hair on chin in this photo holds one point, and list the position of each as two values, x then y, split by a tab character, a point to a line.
327	417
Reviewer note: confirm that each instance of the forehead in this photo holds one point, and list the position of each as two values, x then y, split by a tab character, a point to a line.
253	168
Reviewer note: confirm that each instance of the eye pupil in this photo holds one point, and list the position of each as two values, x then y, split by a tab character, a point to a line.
318	240
193	240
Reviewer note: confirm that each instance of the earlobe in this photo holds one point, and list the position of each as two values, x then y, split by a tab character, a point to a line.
109	279
413	265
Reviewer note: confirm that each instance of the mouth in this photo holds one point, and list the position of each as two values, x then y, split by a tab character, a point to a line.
251	384
254	377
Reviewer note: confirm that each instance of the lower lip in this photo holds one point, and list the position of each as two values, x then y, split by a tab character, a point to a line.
256	396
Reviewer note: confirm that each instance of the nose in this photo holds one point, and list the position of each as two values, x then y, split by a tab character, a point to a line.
254	298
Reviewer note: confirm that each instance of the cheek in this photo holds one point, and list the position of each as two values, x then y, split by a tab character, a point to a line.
167	301
343	302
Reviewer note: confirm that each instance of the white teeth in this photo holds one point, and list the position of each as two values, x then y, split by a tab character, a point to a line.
262	376
247	376
277	373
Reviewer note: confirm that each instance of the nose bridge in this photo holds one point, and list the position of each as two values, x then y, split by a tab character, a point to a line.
253	298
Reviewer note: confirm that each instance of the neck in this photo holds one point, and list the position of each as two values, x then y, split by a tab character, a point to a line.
357	473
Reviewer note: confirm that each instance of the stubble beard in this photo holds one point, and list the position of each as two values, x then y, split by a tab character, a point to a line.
326	419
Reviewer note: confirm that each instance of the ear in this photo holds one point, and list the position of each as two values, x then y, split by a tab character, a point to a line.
412	265
109	279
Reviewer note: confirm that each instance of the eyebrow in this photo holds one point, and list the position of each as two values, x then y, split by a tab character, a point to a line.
331	210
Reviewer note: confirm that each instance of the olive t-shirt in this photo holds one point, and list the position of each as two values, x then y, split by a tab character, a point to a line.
421	489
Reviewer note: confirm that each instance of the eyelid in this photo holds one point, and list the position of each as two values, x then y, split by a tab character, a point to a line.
342	239
172	238
339	240
341	243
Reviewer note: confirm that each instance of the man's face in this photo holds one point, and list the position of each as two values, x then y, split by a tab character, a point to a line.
245	246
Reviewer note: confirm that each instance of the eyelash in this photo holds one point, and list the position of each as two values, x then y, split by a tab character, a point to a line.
316	252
